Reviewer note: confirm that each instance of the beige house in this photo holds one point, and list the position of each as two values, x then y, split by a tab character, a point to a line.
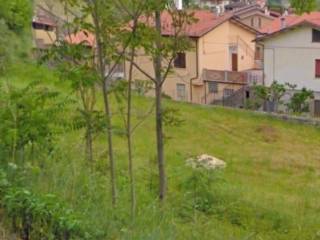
291	47
44	30
217	67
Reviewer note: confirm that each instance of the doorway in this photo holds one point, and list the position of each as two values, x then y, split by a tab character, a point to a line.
234	62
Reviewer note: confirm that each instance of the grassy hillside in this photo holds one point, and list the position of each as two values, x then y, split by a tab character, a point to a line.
269	190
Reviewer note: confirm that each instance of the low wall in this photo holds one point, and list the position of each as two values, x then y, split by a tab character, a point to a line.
293	118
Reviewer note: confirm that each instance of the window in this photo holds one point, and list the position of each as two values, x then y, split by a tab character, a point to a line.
317	72
181	91
37	25
315	35
40	26
227	92
213	87
180	61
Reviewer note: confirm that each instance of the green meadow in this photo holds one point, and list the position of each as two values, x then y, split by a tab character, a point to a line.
269	190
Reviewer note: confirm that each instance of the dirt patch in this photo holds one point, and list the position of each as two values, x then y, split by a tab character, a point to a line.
268	133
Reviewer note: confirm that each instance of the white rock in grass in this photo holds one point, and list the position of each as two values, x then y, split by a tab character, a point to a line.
207	162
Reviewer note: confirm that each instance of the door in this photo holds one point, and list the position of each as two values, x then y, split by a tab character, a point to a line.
234	62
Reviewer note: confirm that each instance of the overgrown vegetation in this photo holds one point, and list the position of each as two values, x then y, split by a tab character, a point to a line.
38	217
269	189
264	192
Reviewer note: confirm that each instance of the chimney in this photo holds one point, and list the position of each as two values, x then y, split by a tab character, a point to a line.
179	4
283	22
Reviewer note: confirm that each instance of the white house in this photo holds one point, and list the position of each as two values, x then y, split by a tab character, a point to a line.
291	49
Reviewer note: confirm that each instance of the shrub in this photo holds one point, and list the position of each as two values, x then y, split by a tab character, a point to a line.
200	189
34	217
16	13
299	101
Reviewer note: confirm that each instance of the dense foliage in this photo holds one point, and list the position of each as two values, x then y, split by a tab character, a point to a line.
47	190
38	217
16	14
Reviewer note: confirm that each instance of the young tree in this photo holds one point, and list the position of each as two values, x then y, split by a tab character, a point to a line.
74	62
28	116
131	11
163	50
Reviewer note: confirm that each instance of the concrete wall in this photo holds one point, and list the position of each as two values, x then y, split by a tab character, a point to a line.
290	57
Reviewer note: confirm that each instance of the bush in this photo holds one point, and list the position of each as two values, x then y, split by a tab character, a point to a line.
299	102
16	13
200	189
34	217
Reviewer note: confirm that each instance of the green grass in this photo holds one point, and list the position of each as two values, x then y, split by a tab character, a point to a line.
269	190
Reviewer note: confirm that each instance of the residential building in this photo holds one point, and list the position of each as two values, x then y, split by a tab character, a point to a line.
291	49
44	30
50	24
88	39
218	66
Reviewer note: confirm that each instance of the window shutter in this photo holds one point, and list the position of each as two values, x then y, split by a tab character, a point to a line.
318	68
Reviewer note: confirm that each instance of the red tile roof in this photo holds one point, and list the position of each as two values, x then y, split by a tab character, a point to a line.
205	22
291	21
84	37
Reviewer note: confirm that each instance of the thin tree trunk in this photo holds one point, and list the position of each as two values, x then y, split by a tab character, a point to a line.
129	136
159	129
160	146
89	145
101	66
88	110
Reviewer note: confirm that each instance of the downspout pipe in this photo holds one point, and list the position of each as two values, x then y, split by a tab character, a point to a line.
197	70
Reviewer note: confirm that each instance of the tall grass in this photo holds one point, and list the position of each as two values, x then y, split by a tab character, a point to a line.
269	190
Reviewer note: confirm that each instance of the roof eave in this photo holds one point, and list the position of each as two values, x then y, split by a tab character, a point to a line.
304	23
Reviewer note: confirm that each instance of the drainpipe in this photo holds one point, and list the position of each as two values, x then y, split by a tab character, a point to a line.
197	70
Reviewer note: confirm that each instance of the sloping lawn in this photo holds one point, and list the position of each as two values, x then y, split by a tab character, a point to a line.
270	188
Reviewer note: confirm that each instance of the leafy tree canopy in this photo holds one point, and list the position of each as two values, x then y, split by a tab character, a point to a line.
16	13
